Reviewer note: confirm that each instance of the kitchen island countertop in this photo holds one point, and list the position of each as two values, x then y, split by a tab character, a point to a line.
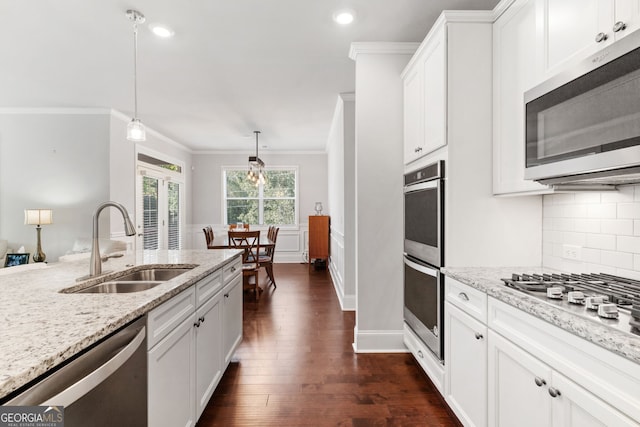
488	281
41	327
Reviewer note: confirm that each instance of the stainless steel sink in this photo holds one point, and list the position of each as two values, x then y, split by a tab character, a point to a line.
119	287
136	281
153	275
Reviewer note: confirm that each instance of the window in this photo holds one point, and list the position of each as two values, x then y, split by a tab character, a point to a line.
274	202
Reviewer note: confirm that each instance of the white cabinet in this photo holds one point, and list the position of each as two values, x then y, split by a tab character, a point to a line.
208	354
171	374
466	366
425	102
541	375
231	318
523	391
516	68
191	339
574	29
515	398
465	350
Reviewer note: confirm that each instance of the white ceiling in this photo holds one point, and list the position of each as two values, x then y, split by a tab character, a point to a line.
233	66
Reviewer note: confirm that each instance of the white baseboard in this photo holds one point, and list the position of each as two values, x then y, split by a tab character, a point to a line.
373	341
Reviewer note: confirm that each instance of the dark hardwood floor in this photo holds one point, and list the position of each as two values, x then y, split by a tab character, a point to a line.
296	367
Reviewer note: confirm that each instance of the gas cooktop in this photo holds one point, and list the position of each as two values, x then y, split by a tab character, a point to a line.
610	300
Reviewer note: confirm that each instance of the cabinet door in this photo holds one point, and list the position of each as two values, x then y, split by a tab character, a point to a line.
517	386
516	59
627	12
231	318
466	366
573	406
171	378
434	82
208	351
413	124
570	28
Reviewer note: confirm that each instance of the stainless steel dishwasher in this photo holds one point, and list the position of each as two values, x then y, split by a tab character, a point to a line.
105	385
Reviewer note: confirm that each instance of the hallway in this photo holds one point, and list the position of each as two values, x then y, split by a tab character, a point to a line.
296	367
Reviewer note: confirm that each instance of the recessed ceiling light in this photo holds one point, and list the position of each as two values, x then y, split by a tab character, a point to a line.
344	17
161	30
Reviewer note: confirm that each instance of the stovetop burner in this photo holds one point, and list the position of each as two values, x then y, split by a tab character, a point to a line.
610	299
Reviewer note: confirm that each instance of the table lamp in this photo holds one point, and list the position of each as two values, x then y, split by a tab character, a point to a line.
38	217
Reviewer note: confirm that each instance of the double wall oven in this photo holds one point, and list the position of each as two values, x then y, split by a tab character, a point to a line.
424	254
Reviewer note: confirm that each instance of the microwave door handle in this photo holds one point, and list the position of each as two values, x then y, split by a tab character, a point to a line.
421	268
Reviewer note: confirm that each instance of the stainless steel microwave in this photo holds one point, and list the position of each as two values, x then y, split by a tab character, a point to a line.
583	125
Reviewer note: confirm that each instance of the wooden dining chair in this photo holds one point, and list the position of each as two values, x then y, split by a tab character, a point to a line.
266	258
250	242
208	234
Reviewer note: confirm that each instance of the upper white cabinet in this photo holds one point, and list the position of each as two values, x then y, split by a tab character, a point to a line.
574	29
425	102
516	68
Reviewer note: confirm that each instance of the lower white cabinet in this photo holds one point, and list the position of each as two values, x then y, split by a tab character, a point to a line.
186	362
208	354
523	391
231	318
466	366
171	375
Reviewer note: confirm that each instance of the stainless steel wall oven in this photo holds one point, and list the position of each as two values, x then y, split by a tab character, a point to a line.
424	254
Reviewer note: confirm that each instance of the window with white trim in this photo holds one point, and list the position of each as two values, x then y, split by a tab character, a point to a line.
274	203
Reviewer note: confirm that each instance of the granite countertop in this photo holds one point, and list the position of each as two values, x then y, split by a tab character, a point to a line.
41	327
488	281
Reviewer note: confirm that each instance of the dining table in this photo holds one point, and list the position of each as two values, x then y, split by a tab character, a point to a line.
222	242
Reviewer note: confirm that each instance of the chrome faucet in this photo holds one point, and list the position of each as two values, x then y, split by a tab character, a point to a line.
95	268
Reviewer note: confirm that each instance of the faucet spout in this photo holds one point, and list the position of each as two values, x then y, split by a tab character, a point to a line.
95	267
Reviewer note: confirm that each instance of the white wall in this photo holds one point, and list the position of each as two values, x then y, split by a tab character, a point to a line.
56	159
207	195
379	179
340	152
604	225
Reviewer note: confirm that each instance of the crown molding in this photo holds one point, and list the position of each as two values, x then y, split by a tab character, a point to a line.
40	110
382	48
501	8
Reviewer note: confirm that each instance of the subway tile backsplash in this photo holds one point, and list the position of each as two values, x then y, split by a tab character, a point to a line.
593	232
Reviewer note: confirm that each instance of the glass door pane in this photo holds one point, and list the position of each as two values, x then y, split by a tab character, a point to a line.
173	215
150	212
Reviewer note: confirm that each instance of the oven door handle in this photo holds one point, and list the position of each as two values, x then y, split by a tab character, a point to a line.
421	268
422	186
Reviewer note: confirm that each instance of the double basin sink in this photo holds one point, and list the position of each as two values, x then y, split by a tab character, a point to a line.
136	281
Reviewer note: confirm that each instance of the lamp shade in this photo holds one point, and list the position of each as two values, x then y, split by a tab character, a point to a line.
38	216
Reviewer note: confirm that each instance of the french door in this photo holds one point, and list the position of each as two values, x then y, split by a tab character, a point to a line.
159	201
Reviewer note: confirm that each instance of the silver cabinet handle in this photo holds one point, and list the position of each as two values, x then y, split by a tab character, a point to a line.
201	319
463	296
233	269
420	354
554	392
539	381
600	37
619	26
479	336
226	295
417	149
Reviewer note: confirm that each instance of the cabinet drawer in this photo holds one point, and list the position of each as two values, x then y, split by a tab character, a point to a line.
207	287
166	317
231	270
470	300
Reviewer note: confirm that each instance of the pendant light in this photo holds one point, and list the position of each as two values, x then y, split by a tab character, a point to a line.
135	129
256	166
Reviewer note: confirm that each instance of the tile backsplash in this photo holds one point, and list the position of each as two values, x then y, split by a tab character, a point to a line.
593	232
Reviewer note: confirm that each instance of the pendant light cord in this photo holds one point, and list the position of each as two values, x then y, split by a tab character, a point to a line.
135	68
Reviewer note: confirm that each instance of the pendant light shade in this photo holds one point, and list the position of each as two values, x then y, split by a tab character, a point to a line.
135	129
256	166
